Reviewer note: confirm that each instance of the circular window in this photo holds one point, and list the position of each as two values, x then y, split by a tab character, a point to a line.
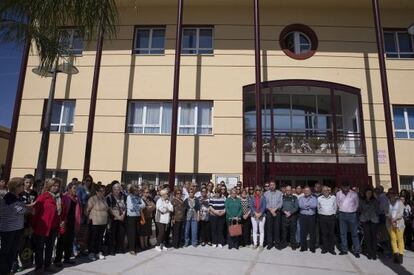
298	41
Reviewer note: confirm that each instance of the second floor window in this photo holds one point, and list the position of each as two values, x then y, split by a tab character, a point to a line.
63	113
404	121
399	44
71	42
149	40
194	118
197	40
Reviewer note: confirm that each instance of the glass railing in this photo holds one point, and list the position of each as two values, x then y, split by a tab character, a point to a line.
311	143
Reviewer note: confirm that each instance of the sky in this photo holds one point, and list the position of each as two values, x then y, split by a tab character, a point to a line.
10	58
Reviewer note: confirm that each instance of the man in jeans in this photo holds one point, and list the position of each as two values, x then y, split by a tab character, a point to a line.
274	201
348	201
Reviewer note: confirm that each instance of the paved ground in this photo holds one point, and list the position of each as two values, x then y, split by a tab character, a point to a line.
215	261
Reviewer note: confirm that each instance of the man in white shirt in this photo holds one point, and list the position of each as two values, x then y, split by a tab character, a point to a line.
327	208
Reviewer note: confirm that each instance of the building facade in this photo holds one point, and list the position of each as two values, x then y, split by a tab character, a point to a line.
321	95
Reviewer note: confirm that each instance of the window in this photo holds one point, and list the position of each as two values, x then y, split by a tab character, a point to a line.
194	118
298	41
407	183
404	122
149	40
71	42
157	179
197	41
62	116
398	44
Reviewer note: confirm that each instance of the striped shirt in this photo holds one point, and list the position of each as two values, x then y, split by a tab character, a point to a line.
12	211
217	203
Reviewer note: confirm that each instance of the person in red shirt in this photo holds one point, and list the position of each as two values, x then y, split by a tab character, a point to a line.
46	224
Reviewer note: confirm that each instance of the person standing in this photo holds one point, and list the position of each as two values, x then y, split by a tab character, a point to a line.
258	218
307	205
395	225
97	211
116	201
234	212
71	225
177	218
134	205
12	211
369	217
205	228
348	201
246	221
145	230
290	208
274	202
47	220
162	218
327	208
408	232
217	217
192	206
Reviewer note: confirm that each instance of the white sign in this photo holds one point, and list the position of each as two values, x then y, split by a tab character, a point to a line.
382	156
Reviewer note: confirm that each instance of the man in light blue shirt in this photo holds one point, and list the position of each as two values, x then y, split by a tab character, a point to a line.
274	202
307	219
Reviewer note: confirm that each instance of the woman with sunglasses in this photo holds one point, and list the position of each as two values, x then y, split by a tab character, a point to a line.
258	219
245	221
217	217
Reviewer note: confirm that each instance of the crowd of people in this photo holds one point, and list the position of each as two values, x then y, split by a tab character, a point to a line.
51	224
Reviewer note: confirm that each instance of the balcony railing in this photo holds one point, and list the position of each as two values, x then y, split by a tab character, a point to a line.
305	143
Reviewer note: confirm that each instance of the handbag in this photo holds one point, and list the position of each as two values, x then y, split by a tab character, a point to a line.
235	228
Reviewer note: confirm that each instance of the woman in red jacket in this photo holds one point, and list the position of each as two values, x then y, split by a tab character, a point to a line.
71	205
46	223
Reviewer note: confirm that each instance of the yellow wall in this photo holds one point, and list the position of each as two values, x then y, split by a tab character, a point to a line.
346	55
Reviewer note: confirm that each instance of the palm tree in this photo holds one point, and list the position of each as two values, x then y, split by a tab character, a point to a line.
39	22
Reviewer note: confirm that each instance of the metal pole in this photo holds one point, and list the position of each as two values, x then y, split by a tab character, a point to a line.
173	146
16	111
92	109
385	94
44	144
259	147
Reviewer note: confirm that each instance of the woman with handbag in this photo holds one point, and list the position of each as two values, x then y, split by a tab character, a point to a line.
234	212
205	228
134	207
145	228
257	210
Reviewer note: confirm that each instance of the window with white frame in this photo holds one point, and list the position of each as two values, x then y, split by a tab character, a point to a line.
149	40
194	118
197	40
63	112
404	121
399	44
71	42
298	42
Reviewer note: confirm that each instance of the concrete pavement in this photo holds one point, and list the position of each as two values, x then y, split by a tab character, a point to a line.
245	261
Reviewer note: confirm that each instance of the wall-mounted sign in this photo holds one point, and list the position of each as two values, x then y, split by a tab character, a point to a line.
382	156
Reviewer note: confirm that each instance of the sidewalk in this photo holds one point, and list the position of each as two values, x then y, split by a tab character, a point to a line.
245	261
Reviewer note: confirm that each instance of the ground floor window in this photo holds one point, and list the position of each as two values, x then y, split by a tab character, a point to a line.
407	183
157	179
